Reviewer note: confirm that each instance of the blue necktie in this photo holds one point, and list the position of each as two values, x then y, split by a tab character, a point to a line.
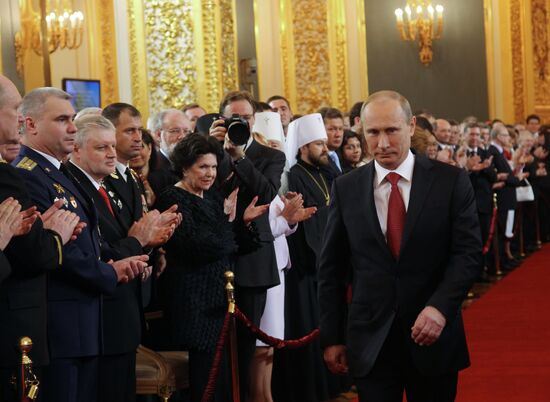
335	159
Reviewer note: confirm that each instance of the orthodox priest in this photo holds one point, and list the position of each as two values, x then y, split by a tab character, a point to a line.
300	374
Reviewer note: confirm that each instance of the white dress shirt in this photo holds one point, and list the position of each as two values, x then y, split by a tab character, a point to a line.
382	188
92	180
121	169
54	161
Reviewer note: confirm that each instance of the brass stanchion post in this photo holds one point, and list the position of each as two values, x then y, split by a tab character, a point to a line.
230	291
28	381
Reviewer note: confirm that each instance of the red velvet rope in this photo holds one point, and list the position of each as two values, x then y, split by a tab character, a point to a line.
276	342
213	375
491	232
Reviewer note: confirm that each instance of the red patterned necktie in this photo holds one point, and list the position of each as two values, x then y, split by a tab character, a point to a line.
396	215
105	197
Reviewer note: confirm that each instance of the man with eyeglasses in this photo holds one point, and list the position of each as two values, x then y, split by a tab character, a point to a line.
168	127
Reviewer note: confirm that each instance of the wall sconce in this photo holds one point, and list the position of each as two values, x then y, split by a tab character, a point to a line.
419	19
65	29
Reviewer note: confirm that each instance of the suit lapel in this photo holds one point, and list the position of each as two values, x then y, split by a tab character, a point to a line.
421	183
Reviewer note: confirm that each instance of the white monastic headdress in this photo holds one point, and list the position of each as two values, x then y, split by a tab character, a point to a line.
302	131
269	125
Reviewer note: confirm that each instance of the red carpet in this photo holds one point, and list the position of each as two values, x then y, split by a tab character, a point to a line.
508	332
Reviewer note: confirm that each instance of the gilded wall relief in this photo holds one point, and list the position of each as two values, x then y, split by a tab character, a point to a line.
540	21
517	61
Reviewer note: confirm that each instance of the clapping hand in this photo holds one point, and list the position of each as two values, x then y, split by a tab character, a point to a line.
294	210
65	223
10	220
253	211
230	205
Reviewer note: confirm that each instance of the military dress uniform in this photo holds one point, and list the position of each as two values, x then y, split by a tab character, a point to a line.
74	291
23	292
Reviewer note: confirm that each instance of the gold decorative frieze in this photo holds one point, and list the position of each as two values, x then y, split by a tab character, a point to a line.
108	69
540	21
138	59
230	71
517	60
171	61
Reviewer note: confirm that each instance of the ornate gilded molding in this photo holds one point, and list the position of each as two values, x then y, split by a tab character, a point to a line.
138	69
517	60
108	68
539	18
311	49
287	53
338	50
212	76
171	58
230	71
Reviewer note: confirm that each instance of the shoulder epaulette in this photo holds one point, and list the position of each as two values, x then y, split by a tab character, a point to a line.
134	173
3	161
27	164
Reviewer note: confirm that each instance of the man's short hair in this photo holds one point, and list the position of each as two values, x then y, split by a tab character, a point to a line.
263	107
424	123
532	117
89	110
90	122
435	123
34	101
278	97
453	122
470	125
191	106
235	96
330	113
392	95
158	119
496	129
113	111
355	111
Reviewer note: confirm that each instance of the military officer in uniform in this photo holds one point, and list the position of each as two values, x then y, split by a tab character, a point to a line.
75	289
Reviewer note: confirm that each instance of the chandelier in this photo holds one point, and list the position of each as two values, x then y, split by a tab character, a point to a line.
420	19
64	27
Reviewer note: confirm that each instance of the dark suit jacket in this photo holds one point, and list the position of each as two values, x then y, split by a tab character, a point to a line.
162	176
123	311
439	260
23	293
259	173
75	289
482	183
506	196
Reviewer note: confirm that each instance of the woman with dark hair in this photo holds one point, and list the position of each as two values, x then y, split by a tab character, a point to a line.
146	162
350	151
200	251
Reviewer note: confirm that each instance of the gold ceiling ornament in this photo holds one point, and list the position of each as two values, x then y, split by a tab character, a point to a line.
64	27
420	19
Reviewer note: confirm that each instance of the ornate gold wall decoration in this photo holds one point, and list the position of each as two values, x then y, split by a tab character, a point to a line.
311	48
108	70
138	60
540	21
212	76
230	71
171	60
517	61
288	54
338	48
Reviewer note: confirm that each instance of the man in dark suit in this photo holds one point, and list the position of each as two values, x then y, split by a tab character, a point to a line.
74	290
334	125
168	127
256	170
23	293
479	165
408	237
94	158
506	194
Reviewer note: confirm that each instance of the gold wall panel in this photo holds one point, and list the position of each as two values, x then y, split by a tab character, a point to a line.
230	72
313	41
138	60
517	60
101	38
170	50
540	21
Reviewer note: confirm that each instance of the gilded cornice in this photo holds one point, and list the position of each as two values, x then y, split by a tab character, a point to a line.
517	60
539	18
171	58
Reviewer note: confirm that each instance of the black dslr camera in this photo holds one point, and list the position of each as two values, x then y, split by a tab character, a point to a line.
238	129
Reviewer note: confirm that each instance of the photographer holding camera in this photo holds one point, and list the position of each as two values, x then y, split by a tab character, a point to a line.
256	170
